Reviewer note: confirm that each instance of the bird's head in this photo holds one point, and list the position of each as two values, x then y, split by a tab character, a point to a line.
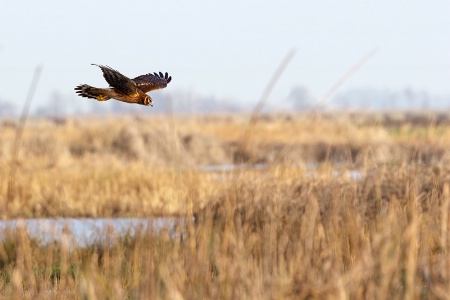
148	101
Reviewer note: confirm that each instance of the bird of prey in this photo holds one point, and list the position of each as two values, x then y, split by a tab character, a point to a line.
125	89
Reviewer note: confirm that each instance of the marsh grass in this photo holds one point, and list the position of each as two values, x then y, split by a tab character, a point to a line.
282	232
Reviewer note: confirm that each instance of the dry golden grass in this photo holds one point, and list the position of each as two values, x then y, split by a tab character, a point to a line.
282	232
142	166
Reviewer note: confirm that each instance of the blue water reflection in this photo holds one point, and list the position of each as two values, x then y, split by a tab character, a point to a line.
86	231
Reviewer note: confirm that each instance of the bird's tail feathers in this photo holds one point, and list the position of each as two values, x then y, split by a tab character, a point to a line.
88	91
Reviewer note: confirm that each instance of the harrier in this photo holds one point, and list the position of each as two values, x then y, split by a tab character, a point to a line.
125	89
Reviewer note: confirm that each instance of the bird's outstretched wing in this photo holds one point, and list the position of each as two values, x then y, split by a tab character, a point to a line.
119	82
150	82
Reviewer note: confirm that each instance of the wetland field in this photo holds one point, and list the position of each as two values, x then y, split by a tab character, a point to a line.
289	206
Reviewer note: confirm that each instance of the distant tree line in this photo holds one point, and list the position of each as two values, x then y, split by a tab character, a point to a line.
188	102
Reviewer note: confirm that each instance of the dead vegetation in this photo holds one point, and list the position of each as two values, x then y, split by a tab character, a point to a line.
282	231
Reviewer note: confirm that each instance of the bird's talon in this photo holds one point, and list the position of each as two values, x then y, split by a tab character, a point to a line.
101	98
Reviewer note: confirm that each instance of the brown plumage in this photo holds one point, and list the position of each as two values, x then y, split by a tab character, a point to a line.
125	89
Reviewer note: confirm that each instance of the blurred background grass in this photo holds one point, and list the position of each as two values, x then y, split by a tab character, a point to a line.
292	222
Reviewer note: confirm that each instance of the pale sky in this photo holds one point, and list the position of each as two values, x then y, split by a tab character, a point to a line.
227	49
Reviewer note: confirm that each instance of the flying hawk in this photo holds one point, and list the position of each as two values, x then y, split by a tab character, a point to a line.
125	89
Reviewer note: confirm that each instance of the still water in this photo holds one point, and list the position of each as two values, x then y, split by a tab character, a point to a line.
85	231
